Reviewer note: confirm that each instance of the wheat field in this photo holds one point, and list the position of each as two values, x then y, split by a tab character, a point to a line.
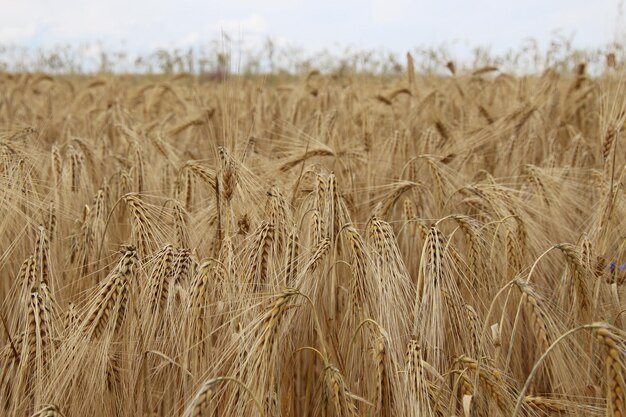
334	246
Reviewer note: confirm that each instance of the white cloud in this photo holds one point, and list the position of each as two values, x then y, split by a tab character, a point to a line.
189	39
394	24
252	24
12	34
390	11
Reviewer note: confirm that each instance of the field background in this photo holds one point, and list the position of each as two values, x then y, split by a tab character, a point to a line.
330	243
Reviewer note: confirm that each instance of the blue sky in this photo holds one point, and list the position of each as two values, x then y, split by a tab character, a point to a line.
398	25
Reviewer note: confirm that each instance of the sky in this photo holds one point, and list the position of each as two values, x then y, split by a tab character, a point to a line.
397	25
